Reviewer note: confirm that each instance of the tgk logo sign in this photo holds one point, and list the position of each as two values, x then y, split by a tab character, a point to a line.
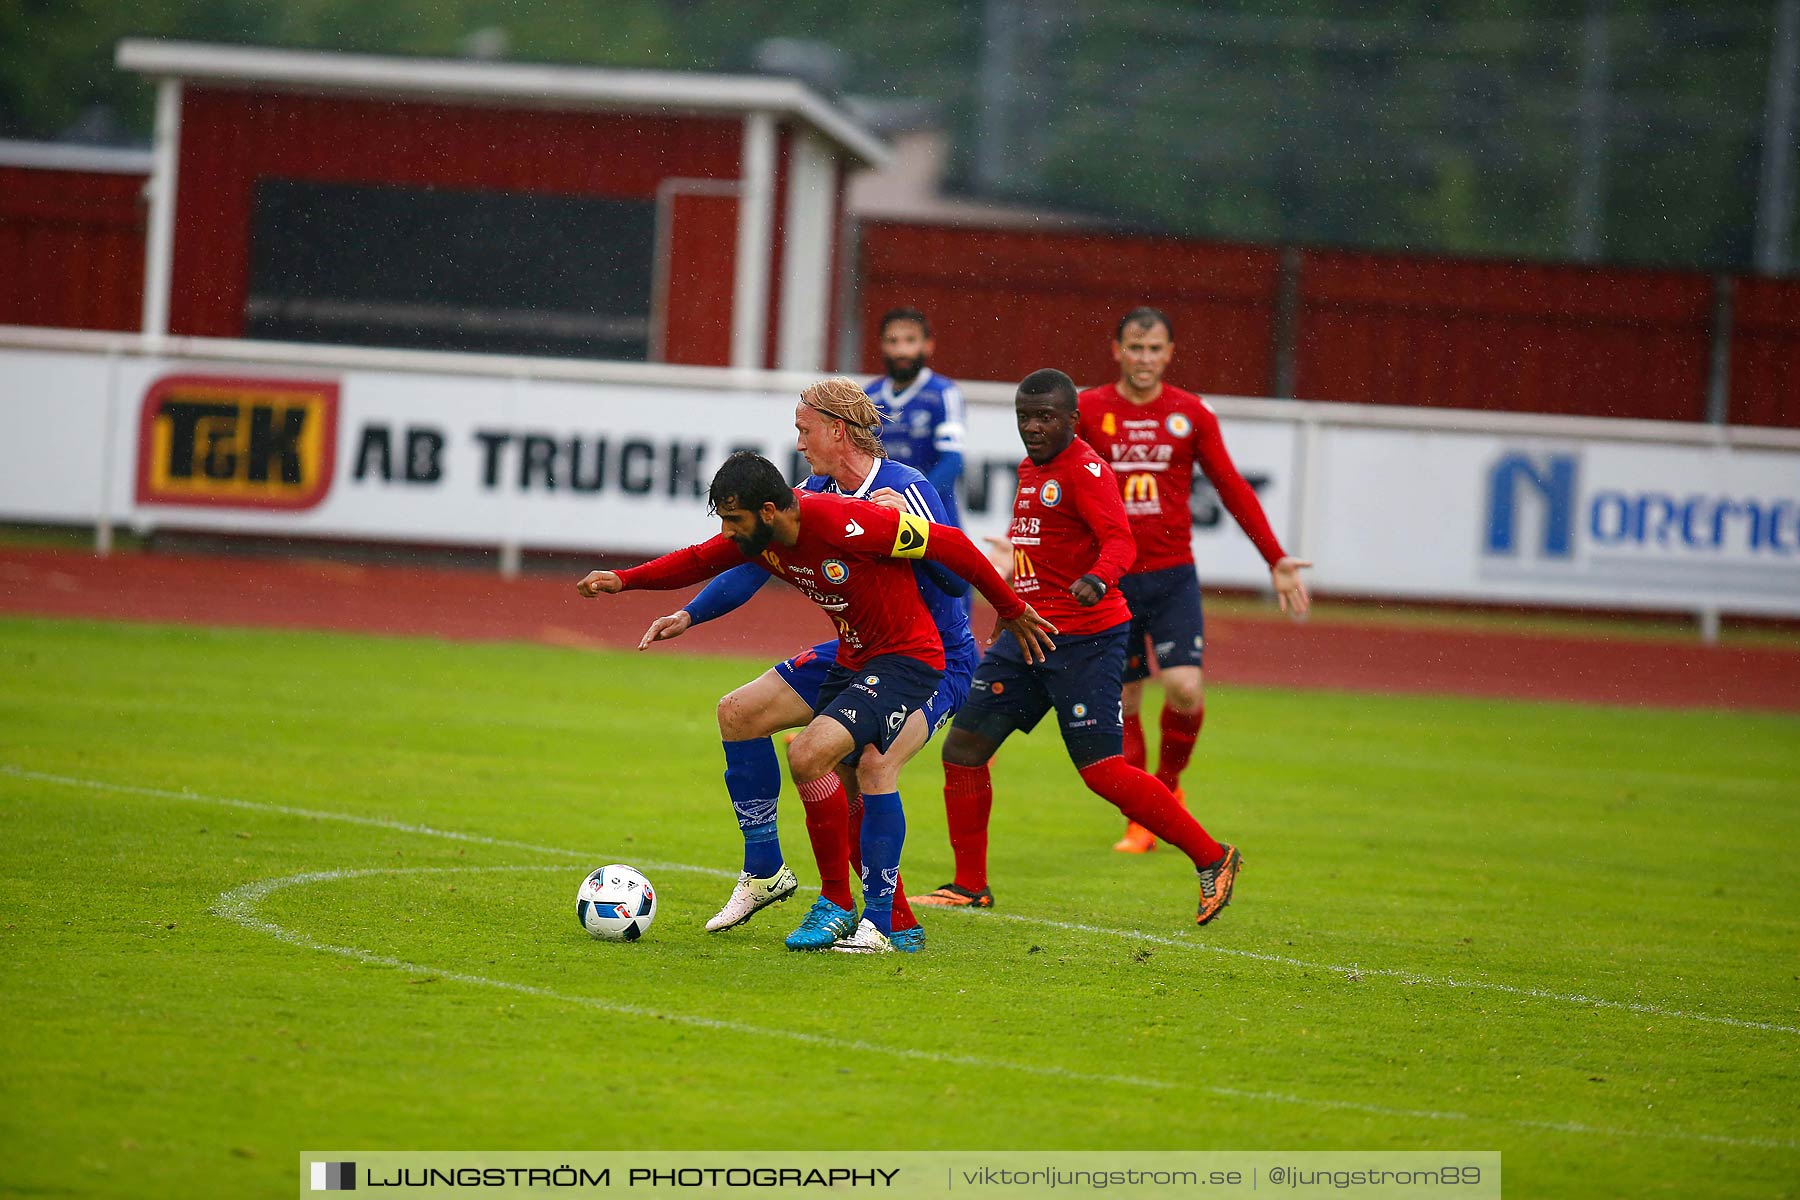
239	443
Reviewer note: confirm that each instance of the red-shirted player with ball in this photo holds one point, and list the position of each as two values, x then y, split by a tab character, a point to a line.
1153	436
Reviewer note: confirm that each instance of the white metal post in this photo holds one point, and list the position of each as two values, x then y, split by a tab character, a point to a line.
806	259
750	289
159	243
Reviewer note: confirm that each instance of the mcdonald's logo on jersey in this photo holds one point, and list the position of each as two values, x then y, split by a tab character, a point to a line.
238	443
1141	489
1022	566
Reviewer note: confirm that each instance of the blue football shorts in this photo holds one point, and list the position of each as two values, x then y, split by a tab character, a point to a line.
1080	679
1166	620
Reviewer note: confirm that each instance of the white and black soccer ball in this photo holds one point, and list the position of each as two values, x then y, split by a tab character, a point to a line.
616	904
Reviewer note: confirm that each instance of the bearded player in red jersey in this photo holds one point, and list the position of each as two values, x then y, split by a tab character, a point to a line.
853	559
1153	435
1071	543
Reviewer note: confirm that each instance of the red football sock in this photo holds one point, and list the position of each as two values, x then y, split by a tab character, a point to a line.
968	802
902	917
856	836
828	825
1134	742
1179	732
1145	800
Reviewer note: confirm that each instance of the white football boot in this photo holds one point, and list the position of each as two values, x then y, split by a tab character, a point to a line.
752	895
866	939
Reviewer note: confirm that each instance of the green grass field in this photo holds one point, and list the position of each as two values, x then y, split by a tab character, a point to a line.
1568	934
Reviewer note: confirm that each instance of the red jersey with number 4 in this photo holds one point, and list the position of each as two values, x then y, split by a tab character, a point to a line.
1153	449
1068	522
854	560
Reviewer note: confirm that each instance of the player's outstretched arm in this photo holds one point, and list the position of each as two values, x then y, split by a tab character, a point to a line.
664	628
725	593
682	568
596	583
1290	589
941	577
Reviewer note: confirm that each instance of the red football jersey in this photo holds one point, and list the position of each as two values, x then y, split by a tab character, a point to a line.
1153	449
1068	521
854	560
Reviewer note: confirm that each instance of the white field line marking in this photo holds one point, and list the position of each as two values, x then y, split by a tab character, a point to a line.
241	903
1405	977
314	814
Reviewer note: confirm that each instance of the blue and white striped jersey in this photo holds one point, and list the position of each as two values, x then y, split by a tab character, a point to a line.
925	430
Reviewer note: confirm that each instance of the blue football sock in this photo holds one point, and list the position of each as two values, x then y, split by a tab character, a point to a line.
753	777
883	833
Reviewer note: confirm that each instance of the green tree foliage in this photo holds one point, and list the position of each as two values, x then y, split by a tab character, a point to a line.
1397	124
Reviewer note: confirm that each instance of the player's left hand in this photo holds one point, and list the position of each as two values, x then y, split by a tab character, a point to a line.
595	582
1033	633
1290	589
664	628
1000	553
888	498
1088	590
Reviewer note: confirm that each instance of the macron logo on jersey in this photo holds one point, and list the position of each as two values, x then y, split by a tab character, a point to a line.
1093	469
853	529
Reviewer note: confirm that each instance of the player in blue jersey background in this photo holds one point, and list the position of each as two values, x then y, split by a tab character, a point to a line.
923	411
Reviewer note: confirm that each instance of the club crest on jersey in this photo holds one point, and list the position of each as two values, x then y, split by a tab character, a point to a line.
1052	494
1179	425
835	570
1080	710
871	680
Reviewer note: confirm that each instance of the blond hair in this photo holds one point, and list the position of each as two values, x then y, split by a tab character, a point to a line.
843	399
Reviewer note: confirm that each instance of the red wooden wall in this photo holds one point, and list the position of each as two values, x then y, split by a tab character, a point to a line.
1367	328
1003	303
230	139
1382	329
703	256
1765	352
71	248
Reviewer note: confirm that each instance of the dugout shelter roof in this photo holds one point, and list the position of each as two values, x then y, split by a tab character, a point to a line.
501	83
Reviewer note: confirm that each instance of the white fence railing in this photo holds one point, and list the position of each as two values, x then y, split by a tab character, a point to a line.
420	446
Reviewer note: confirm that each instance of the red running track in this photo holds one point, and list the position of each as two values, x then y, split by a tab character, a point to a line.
479	605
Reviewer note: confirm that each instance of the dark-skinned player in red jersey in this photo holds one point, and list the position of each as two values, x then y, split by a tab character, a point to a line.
854	560
1071	543
1153	435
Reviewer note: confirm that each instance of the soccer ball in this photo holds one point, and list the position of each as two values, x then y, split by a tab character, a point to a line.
616	904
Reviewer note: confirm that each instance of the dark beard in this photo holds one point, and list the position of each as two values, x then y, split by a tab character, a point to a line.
757	542
903	375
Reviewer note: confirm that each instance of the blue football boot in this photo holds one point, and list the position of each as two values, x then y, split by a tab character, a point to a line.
825	923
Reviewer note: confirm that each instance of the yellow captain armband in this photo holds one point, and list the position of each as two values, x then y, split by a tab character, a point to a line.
910	538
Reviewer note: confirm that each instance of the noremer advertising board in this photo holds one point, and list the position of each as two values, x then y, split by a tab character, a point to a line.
480	459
